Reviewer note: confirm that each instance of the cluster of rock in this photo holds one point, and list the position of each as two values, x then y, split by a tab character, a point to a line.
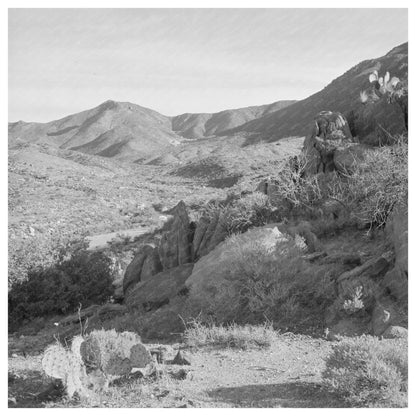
330	147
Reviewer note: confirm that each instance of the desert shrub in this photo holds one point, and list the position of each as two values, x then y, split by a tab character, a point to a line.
85	277
377	183
368	193
37	251
369	372
240	214
199	334
279	284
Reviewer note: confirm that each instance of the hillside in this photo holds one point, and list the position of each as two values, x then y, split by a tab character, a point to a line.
194	126
342	95
113	129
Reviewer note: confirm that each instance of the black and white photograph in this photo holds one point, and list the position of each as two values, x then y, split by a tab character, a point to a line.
207	205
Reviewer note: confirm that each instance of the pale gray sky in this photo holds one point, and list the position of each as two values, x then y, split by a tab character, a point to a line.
62	61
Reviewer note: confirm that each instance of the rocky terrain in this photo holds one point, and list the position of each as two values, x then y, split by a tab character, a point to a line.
292	214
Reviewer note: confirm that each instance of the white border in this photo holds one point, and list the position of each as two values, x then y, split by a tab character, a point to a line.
206	4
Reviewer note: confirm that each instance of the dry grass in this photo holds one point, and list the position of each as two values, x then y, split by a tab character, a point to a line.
198	334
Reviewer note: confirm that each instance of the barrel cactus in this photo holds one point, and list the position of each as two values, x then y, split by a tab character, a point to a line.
95	360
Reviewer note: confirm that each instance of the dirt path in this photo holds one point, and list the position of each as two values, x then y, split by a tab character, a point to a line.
286	375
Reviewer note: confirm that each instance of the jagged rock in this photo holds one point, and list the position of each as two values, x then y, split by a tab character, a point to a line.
175	244
180	359
395	332
208	234
145	264
157	291
396	280
330	132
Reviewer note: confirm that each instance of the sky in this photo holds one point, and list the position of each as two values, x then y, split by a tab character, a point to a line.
62	61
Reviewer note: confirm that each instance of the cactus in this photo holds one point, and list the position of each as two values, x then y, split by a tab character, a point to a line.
55	361
117	366
94	360
393	88
139	356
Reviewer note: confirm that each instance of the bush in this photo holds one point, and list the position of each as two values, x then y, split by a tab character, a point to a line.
198	334
368	194
280	285
85	277
369	372
240	214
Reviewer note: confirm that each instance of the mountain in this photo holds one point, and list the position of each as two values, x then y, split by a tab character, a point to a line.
195	126
130	132
113	129
342	95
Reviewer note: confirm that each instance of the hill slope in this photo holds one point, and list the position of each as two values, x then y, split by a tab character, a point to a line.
194	126
113	129
342	95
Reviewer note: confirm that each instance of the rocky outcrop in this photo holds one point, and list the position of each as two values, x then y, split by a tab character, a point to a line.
330	133
362	304
175	244
145	264
210	231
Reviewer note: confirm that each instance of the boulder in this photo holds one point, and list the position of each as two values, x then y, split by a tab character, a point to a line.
211	288
144	264
156	292
330	133
384	314
175	244
395	332
396	280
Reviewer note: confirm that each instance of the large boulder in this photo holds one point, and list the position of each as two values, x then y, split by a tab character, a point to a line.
145	264
396	280
211	288
175	244
330	133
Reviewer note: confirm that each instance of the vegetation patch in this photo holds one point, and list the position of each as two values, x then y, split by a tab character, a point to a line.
199	334
369	372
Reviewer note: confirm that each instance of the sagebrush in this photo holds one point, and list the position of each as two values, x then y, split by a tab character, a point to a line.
369	372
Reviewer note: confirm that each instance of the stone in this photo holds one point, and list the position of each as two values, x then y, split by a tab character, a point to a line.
145	262
175	244
180	359
330	133
395	332
384	315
